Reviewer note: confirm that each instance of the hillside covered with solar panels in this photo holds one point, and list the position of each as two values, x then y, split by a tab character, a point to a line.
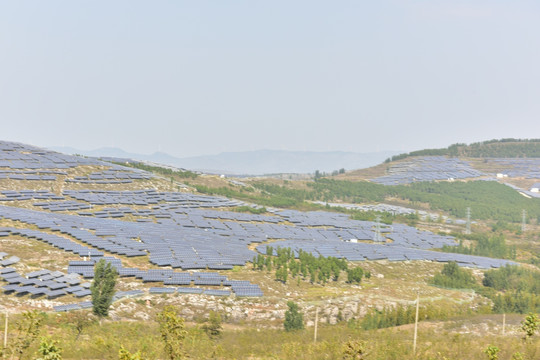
60	214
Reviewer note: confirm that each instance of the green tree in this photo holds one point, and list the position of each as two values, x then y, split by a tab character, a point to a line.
492	352
49	350
294	319
530	325
282	274
173	333
124	354
517	356
213	328
27	330
102	287
354	350
79	320
355	275
452	276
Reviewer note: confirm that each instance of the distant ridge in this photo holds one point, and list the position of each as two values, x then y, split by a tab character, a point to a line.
258	162
501	148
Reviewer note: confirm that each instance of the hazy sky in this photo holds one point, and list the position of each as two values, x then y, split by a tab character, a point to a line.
203	77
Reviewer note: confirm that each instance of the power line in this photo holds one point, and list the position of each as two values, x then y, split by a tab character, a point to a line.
468	226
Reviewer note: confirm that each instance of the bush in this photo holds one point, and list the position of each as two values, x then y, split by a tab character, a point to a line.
452	276
294	319
355	275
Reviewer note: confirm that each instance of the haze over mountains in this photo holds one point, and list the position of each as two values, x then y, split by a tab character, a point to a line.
252	162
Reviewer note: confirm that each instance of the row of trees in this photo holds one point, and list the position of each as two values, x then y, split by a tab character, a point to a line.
518	289
484	245
454	277
503	148
512	289
306	266
171	328
487	199
318	174
186	174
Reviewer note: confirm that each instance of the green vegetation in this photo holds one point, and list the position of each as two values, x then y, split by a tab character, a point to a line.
137	340
173	333
160	170
503	148
512	289
530	325
27	330
354	350
318	174
49	350
355	275
492	352
518	289
102	287
405	314
249	209
294	319
213	327
307	267
487	199
261	199
484	245
454	277
124	354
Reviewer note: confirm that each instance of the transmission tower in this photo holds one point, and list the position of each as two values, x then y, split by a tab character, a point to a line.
378	236
523	220
468	227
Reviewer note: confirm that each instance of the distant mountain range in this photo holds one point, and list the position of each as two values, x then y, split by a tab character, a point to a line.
258	162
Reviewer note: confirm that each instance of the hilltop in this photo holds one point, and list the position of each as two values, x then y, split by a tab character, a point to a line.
497	148
258	162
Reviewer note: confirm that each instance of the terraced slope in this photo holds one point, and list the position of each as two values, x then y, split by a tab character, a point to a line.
82	210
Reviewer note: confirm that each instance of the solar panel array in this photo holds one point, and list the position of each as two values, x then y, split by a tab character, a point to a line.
201	238
428	168
170	277
22	195
392	209
28	175
88	304
52	284
115	175
518	167
523	191
21	156
26	162
191	236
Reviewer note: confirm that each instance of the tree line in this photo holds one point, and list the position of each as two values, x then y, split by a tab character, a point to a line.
502	148
186	174
305	266
512	288
484	245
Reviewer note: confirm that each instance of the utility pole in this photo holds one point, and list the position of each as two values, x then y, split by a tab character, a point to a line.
6	330
468	227
416	322
316	323
523	220
504	324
